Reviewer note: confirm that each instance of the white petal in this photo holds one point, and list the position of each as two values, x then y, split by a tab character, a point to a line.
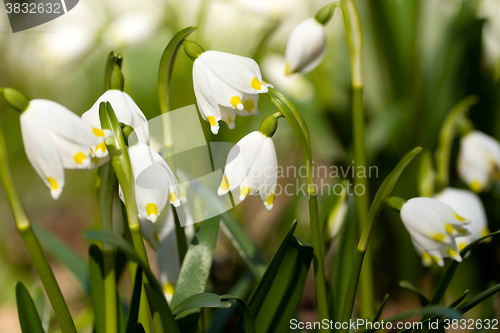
126	110
241	73
42	153
305	47
61	121
240	159
207	105
73	156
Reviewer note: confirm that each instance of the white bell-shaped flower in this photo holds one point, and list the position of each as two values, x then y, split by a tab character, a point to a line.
433	227
127	112
162	237
478	160
56	139
306	47
467	204
226	85
155	183
252	166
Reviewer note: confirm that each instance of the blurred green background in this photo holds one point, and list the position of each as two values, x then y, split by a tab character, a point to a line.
420	58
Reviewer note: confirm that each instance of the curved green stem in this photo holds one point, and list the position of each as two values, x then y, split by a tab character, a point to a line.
378	203
299	126
355	41
33	245
446	137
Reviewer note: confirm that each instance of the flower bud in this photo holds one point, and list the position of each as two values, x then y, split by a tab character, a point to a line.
16	99
193	50
269	125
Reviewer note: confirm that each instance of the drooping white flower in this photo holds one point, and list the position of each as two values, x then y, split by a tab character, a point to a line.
226	85
252	166
306	47
478	160
155	183
433	227
127	112
162	237
467	204
56	139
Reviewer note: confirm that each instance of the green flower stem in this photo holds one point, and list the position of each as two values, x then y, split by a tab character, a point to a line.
378	203
446	136
299	126
105	193
165	71
355	41
33	246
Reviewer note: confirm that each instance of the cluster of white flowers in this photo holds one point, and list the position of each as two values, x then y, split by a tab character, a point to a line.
443	225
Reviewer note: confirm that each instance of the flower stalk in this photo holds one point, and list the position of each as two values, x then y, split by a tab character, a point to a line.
355	41
32	244
299	126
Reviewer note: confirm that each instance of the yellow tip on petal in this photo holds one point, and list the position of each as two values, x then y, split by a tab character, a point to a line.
426	259
436	259
287	69
439	237
236	102
256	84
270	200
454	254
79	158
102	147
173	197
476	186
460	218
152	209
224	185
155	236
249	105
244	192
211	120
168	288
53	183
98	132
461	246
449	228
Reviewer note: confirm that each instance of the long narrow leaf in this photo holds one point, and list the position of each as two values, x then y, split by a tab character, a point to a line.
28	315
478	299
409	286
195	270
201	300
96	275
133	314
276	299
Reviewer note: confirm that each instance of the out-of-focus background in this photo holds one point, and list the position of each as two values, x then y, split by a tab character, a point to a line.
420	57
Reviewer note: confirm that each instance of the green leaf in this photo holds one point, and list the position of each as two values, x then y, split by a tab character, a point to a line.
380	309
65	255
344	257
153	289
409	286
478	299
276	298
42	307
201	300
246	322
459	300
445	282
195	270
28	315
244	245
133	314
96	275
